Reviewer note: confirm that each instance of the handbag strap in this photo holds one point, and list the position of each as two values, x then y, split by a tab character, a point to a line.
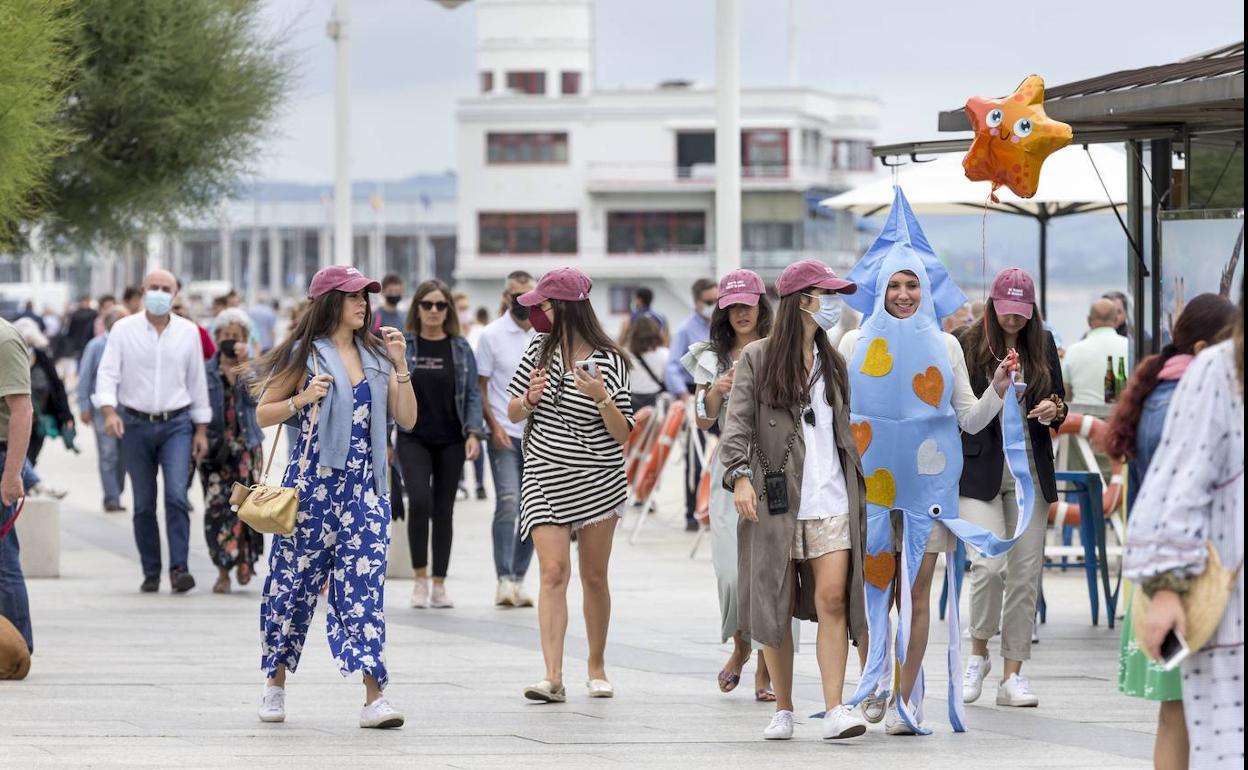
316	409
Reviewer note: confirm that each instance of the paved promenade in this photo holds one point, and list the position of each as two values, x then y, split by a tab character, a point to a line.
129	680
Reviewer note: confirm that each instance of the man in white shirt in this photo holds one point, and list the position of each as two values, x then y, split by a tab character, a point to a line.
153	393
1083	368
499	351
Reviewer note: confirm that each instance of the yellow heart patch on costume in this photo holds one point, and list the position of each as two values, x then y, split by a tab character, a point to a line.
862	436
879	568
878	362
881	488
930	386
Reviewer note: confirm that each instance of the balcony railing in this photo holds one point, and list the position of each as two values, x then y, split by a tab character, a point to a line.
701	176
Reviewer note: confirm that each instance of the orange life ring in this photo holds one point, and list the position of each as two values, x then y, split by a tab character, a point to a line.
657	457
1096	431
702	506
638	442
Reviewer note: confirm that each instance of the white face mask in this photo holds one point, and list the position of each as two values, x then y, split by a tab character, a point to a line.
829	313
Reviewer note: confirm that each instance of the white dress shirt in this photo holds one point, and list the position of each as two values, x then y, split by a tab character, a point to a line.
499	350
823	480
154	372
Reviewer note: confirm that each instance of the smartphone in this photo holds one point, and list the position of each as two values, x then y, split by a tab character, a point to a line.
1174	650
589	367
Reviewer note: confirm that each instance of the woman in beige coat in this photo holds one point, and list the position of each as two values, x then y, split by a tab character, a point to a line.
792	464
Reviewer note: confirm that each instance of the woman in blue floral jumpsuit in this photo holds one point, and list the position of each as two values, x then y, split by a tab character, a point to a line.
350	383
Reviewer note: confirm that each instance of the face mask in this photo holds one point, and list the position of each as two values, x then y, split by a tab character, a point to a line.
705	309
393	299
518	311
829	313
157	302
541	322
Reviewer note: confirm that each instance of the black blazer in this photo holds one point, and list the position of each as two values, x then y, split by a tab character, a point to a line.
983	456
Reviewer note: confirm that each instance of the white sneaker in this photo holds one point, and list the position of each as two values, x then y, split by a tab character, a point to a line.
873	707
1016	691
420	593
521	598
894	724
842	722
440	599
381	715
273	704
781	727
505	594
977	669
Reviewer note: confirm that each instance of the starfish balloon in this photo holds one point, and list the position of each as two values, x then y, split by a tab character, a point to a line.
1013	136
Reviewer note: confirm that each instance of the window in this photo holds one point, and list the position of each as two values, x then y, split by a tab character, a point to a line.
765	152
852	155
526	82
545	233
769	236
570	83
652	232
487	82
526	148
621	298
694	148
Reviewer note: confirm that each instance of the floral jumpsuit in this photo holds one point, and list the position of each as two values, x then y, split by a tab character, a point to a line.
343	529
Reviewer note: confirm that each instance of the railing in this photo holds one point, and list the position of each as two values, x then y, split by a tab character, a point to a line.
703	174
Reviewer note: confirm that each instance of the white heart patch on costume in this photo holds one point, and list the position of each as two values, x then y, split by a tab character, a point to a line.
931	461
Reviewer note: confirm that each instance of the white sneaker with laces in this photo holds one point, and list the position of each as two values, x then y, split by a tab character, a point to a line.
381	715
440	599
273	704
520	598
781	727
843	722
873	707
1016	691
894	724
420	593
505	594
977	669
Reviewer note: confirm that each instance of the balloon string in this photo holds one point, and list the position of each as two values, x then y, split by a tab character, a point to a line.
983	250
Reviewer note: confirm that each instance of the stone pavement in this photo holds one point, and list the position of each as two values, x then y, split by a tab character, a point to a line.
124	679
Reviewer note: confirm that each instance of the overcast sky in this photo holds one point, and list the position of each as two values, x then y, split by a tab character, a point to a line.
412	60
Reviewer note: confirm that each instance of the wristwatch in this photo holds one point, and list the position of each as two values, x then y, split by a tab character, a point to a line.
603	404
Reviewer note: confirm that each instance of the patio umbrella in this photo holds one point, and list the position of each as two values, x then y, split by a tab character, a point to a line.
1070	184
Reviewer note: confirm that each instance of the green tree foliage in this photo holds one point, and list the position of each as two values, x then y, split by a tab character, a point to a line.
171	104
35	62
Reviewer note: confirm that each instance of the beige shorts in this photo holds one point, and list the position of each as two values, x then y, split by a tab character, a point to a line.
813	538
941	539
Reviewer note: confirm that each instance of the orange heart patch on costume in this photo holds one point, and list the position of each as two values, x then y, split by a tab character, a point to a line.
862	436
881	488
879	568
877	362
930	386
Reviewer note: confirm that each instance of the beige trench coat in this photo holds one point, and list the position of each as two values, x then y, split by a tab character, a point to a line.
768	579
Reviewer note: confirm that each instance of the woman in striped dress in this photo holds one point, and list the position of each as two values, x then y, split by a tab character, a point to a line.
572	387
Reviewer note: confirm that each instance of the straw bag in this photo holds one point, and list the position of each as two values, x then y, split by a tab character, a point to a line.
270	508
1204	604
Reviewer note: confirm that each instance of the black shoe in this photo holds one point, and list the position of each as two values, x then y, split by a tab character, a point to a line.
151	584
480	493
114	508
181	580
691	525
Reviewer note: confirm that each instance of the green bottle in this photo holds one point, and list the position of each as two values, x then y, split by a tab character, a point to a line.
1120	382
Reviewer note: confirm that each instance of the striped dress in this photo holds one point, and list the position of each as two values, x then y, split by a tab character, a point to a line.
573	468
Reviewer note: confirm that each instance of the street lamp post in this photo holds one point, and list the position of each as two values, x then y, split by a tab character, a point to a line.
338	31
727	138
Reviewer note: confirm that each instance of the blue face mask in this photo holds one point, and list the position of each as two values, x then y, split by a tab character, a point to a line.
829	313
157	302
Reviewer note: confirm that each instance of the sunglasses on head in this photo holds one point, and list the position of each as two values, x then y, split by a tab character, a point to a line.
427	305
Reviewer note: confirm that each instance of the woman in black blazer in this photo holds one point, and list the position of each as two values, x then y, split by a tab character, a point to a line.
1004	589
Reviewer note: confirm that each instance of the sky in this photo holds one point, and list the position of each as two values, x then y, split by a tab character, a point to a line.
412	59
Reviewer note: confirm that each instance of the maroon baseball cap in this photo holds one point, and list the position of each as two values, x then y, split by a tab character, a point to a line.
741	287
1013	292
342	278
564	283
811	273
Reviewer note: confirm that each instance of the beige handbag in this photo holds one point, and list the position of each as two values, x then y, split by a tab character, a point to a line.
1204	603
270	508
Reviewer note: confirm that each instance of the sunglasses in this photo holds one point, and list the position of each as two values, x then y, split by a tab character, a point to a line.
439	306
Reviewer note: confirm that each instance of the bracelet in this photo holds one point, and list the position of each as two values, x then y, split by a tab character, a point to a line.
532	404
741	472
603	404
290	404
404	378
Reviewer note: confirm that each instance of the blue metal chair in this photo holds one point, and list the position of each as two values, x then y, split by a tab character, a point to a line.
1084	488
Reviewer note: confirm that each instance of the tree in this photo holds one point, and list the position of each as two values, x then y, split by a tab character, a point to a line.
35	62
168	109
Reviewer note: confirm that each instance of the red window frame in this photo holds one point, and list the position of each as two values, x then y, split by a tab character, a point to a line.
754	141
643	222
513	225
570	83
533	83
504	148
487	81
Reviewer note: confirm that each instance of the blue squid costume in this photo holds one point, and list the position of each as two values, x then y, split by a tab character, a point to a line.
907	431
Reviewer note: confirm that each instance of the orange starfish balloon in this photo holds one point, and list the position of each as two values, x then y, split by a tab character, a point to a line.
1013	136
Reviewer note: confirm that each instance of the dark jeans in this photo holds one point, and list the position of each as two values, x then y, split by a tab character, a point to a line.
14	604
430	477
112	470
163	447
511	554
693	475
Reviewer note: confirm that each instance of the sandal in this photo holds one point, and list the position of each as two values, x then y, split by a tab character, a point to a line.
765	695
728	681
222	586
244	573
544	692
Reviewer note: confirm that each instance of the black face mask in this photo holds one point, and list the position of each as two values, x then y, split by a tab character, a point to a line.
393	299
518	311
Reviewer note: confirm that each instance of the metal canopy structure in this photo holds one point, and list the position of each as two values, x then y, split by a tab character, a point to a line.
1165	105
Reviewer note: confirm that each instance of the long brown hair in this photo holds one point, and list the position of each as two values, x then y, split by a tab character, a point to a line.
984	344
1205	319
784	381
450	323
723	336
320	318
644	335
575	319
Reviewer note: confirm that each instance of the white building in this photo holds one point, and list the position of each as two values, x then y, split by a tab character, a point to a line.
620	183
